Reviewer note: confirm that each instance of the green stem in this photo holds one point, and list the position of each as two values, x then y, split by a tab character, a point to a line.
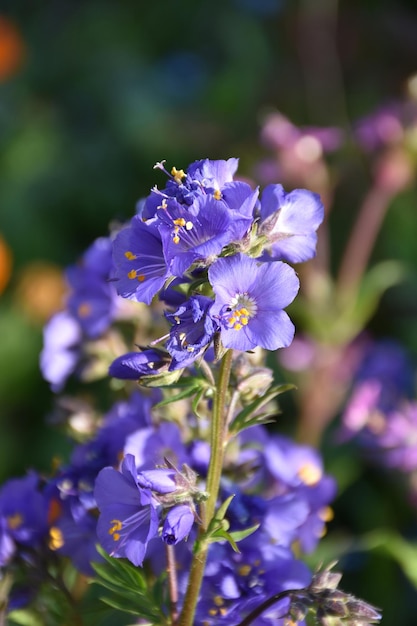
217	446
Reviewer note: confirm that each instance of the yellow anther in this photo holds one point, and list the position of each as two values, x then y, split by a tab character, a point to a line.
309	474
14	521
217	195
133	274
113	530
56	538
130	256
237	326
176	239
178	174
244	321
218	600
180	221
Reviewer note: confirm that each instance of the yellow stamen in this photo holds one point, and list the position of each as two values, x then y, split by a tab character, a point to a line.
129	255
217	195
117	525
178	175
244	570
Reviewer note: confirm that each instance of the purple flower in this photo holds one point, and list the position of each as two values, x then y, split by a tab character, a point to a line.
203	178
177	524
92	301
61	349
151	445
141	269
23	515
250	298
76	539
289	221
134	365
128	512
200	232
192	332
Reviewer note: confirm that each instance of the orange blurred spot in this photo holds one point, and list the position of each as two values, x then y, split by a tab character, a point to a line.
40	290
5	264
12	49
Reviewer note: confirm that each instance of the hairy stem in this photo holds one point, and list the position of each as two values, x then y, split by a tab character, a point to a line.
217	444
172	583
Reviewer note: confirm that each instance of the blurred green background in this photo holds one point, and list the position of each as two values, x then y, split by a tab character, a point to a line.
93	93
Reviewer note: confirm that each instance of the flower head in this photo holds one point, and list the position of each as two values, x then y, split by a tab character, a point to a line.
250	298
192	332
289	221
128	512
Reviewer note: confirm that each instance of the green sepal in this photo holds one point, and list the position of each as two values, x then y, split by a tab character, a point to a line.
164	379
250	416
130	591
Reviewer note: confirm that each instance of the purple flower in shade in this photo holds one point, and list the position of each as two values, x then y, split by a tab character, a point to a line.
383	127
192	331
128	512
297	478
177	524
150	446
235	583
250	298
140	266
93	298
23	515
134	365
61	349
384	378
391	439
289	221
76	538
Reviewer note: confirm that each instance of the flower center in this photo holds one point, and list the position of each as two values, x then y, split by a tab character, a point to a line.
242	309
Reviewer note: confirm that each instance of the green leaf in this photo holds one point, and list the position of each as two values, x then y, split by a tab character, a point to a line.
238	535
128	587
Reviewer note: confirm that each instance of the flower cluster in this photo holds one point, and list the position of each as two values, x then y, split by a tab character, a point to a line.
223	250
182	478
